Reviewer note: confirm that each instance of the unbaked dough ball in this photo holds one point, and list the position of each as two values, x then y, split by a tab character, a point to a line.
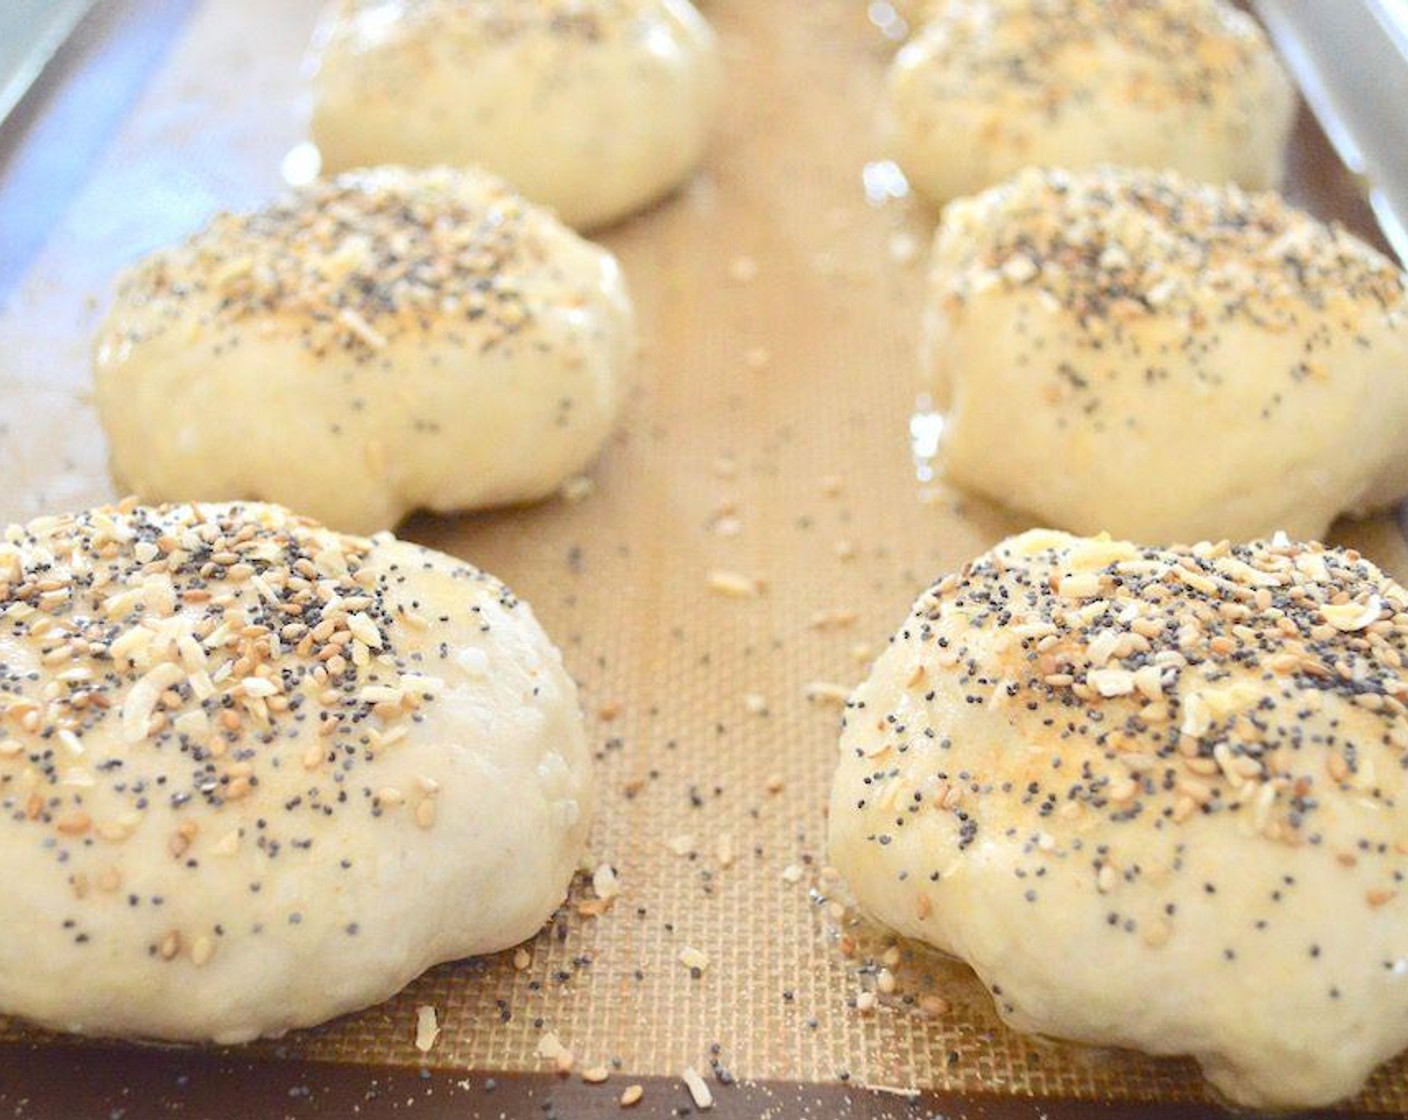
1156	798
386	341
1131	352
255	773
594	107
988	87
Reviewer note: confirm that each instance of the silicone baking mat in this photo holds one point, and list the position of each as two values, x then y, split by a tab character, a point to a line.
755	531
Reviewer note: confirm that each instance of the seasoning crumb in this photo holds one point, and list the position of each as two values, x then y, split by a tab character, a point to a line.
696	960
551	1048
682	844
755	703
596	1075
631	1095
791	874
522	959
549	1045
427	1028
773	783
605	883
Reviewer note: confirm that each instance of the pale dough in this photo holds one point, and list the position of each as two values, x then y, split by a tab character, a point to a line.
255	774
1125	351
386	341
1156	798
596	108
987	87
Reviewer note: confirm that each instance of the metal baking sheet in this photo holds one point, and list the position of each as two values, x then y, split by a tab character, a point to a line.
31	31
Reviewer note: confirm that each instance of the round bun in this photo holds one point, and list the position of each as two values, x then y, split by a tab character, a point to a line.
1127	351
1156	798
988	87
386	341
256	773
596	108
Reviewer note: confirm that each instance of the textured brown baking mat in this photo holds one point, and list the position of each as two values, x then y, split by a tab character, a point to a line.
767	437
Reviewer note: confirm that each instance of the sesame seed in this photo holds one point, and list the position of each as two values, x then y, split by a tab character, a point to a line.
425	813
631	1095
733	584
698	1090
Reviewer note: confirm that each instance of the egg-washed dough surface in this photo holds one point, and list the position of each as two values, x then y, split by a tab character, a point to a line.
765	443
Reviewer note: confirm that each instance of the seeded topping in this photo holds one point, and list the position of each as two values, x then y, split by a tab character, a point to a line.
1180	50
1253	680
1118	246
352	264
180	656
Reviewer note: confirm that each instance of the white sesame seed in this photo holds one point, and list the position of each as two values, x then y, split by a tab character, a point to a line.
733	584
827	692
698	1091
202	949
1111	682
